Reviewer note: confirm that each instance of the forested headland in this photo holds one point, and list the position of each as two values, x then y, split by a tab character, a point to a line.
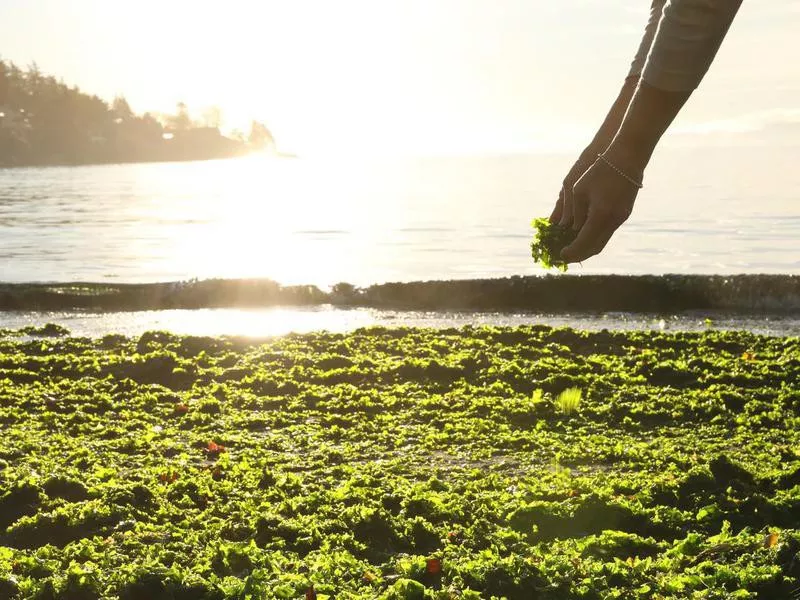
44	121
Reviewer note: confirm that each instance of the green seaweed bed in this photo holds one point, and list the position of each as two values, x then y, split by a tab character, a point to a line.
517	463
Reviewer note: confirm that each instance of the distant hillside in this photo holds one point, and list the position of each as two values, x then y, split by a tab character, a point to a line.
43	121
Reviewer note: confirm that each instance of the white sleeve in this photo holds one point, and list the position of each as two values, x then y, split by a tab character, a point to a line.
689	34
637	66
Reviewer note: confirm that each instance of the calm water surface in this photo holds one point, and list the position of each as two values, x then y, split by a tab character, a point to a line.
367	221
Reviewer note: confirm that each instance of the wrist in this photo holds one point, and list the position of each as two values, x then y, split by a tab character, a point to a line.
649	114
589	154
630	157
635	179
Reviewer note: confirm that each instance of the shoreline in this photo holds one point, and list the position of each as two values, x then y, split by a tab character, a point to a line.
747	294
145	161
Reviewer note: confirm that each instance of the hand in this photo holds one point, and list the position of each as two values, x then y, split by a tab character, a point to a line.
563	211
602	200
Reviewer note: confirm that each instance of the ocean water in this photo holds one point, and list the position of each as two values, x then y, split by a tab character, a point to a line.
324	220
277	321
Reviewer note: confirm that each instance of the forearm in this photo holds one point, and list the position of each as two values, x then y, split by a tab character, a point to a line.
614	118
650	113
615	115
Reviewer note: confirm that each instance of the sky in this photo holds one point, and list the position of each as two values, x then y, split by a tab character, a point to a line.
408	76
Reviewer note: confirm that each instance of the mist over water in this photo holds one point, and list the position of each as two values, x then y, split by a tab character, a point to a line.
321	221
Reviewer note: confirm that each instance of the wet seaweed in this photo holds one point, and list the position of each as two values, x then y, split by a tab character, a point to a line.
481	462
549	239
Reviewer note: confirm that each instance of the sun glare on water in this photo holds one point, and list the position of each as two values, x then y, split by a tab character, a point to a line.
263	216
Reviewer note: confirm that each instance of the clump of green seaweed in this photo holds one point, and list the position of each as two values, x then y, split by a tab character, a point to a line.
401	463
549	240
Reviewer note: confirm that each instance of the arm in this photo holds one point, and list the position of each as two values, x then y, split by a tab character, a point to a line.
562	212
688	38
650	113
615	116
686	42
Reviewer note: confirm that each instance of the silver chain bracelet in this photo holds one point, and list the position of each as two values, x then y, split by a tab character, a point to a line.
620	172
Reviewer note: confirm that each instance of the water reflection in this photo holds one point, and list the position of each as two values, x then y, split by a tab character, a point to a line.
369	221
271	322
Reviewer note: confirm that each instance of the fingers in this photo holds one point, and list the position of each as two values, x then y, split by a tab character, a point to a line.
566	210
580	207
581	199
555	216
563	213
593	237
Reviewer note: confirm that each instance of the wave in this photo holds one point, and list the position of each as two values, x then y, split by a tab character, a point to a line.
550	293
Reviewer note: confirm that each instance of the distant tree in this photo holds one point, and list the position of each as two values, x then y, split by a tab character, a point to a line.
3	83
180	121
212	117
33	77
151	124
121	109
15	91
